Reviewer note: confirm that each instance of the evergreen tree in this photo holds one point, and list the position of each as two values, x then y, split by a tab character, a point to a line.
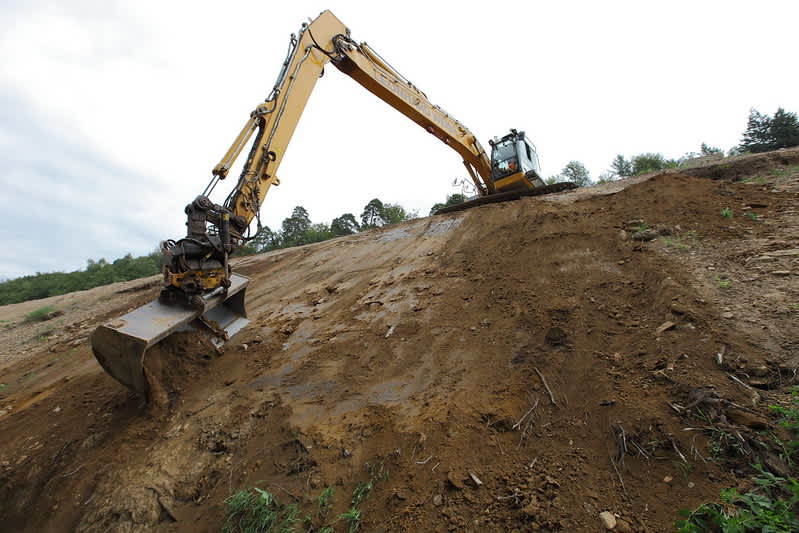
372	214
757	137
784	130
294	227
344	225
621	167
710	150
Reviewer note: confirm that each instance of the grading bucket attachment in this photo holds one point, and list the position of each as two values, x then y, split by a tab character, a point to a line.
120	345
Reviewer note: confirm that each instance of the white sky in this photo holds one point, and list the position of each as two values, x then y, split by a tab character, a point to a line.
114	113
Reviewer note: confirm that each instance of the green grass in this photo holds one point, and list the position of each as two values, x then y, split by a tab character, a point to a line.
751	216
3	386
259	511
360	493
680	242
770	506
724	283
760	180
39	315
790	421
782	172
255	510
726	212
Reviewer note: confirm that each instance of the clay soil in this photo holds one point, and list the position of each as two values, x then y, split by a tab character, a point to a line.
521	366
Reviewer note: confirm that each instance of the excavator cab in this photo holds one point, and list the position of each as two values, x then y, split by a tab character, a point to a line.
514	163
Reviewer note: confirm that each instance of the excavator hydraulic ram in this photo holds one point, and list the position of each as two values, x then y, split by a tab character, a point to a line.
121	345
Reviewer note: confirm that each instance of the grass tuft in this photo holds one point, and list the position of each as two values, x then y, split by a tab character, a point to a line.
258	511
40	315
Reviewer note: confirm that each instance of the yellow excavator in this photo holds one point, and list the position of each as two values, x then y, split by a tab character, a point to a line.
200	291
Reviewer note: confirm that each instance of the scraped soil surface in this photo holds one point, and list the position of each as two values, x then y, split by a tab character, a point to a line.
521	366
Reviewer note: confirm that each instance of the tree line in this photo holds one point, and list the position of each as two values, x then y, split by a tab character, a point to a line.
96	273
298	229
295	230
763	133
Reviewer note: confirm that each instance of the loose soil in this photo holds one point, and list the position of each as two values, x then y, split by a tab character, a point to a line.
513	367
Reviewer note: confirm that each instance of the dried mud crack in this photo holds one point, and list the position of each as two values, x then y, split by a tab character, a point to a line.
521	366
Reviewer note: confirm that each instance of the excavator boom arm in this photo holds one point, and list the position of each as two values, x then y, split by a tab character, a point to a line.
273	122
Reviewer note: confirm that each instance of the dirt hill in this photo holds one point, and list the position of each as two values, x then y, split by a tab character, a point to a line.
514	367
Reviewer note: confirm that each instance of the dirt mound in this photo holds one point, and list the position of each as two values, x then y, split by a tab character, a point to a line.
175	364
521	366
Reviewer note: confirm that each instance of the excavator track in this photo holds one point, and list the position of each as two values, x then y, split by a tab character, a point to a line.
508	196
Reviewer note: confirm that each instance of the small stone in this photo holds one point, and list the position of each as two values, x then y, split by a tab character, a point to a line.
455	479
608	520
665	327
727	315
57	410
475	479
623	527
668	479
438	500
781	273
690	484
244	346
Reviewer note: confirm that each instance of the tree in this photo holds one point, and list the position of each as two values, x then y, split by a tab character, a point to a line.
344	225
621	167
757	137
452	199
371	217
294	227
710	150
576	172
317	233
394	214
649	162
784	130
607	177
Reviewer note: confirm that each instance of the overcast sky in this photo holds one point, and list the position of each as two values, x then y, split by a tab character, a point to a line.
114	113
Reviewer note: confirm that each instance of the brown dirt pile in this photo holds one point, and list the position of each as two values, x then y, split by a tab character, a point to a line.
522	366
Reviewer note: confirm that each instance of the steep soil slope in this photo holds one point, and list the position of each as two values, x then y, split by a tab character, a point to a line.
521	366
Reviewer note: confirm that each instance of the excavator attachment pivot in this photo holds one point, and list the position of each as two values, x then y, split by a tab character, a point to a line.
121	345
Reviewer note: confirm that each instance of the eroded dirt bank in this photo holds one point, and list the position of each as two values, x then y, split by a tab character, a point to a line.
520	366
